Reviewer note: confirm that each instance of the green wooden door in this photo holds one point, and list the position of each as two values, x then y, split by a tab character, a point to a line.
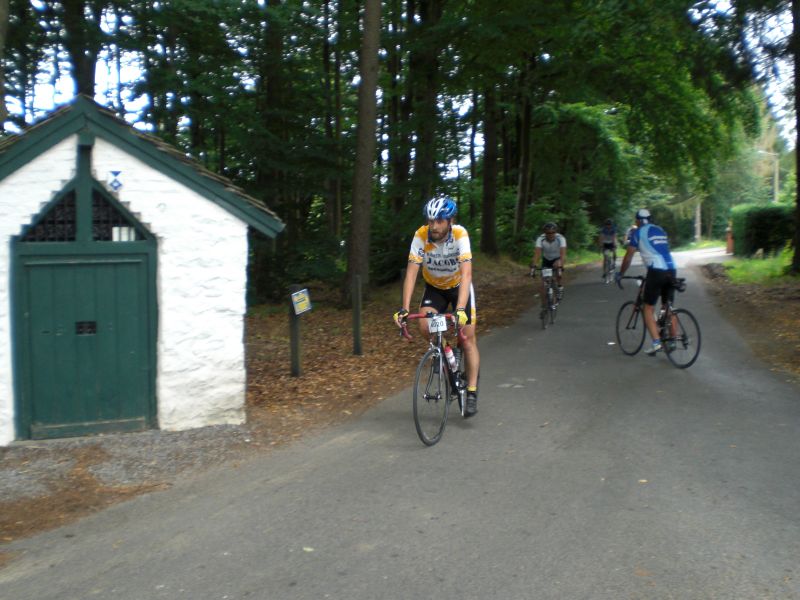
86	345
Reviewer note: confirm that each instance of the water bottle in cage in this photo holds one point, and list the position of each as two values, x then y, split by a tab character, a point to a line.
451	358
457	355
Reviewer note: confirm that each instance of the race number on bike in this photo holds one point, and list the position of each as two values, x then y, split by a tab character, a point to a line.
437	323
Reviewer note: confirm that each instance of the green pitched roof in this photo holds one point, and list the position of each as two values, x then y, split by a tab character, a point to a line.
84	115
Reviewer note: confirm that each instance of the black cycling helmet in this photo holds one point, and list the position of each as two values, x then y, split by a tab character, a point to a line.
550	227
609	222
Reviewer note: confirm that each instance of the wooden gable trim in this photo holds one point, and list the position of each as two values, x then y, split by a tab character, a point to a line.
83	116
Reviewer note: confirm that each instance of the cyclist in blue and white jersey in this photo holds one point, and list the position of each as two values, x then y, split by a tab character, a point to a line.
653	246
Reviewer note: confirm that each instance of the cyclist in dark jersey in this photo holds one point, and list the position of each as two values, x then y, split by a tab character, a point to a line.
607	240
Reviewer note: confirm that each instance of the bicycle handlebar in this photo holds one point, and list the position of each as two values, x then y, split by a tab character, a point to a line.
619	280
450	316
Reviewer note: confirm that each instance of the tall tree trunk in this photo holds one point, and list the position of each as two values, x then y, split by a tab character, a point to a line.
337	126
795	42
82	41
523	187
424	70
270	103
473	162
358	247
332	187
488	217
698	221
507	150
3	34
399	110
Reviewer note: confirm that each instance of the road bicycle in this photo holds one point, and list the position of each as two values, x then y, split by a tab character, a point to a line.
440	378
548	312
678	329
609	265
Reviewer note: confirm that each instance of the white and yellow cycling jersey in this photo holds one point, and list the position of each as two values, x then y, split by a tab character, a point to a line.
441	262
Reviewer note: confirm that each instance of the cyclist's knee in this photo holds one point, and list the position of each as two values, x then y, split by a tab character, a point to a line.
469	335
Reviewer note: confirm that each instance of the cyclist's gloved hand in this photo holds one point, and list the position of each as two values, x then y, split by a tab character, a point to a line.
400	317
533	272
461	315
618	278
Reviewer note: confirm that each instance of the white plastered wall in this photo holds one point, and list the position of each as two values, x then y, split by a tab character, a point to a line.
201	278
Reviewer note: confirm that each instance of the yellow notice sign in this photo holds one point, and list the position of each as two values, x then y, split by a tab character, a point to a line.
301	302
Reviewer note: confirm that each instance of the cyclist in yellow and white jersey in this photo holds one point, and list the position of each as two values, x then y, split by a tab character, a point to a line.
442	250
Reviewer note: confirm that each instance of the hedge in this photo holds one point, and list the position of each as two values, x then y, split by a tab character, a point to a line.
758	226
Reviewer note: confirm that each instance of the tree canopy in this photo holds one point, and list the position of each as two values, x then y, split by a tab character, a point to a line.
523	110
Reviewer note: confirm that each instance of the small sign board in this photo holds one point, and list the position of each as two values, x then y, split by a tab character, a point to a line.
301	302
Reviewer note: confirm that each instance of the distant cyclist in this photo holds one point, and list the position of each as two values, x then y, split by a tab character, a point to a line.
653	246
607	240
551	248
443	251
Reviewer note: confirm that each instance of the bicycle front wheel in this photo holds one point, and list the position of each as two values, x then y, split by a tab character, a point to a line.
684	348
431	397
609	269
630	328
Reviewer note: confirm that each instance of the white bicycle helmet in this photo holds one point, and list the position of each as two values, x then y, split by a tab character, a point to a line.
440	208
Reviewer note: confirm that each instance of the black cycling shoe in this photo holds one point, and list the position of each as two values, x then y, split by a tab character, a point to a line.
472	404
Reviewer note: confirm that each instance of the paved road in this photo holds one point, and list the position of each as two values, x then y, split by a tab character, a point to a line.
586	474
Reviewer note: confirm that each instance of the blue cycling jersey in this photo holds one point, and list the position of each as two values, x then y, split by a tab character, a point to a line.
653	245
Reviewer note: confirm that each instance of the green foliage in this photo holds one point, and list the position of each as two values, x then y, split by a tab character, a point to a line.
758	227
788	193
390	241
680	229
771	269
631	104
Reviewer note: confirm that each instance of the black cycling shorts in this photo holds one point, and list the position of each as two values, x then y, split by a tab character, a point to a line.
658	284
549	264
439	300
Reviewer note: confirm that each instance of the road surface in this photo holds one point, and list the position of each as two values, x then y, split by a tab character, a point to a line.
586	474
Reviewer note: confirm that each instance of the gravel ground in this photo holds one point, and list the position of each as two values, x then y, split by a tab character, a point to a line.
27	469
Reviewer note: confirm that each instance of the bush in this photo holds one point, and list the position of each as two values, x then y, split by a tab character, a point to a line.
679	228
757	226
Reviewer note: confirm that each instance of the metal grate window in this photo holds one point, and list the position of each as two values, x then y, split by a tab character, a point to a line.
57	225
109	224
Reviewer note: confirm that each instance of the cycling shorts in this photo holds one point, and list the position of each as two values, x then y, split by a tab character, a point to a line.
439	299
549	264
657	284
609	246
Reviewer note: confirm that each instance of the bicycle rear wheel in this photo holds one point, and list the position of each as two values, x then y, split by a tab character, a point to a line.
431	397
630	328
683	349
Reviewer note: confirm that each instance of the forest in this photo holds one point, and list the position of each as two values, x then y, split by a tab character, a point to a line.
344	116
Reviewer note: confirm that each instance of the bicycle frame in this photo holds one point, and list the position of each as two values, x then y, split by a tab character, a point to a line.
678	329
551	295
437	342
660	316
